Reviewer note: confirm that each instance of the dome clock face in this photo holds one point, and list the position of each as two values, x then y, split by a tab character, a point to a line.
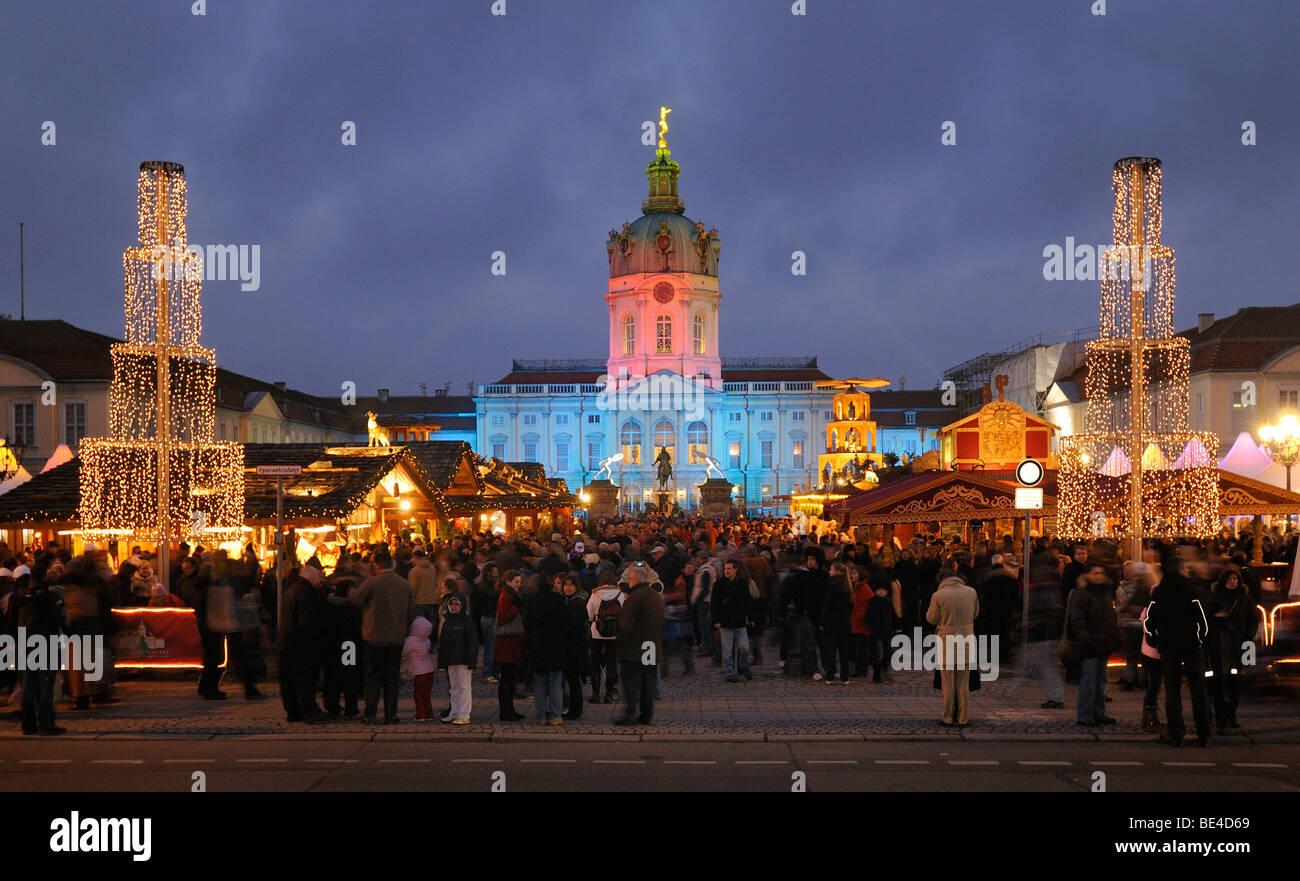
664	292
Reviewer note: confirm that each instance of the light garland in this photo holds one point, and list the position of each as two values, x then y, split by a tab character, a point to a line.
159	476
1172	490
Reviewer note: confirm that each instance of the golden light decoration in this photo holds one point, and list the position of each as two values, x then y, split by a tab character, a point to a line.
663	126
159	476
1138	470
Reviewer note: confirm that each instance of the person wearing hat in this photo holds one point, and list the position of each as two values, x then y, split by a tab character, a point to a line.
388	608
299	640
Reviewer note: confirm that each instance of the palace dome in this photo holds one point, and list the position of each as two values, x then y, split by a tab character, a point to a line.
663	238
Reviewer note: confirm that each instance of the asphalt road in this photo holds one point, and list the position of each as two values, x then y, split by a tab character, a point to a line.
288	765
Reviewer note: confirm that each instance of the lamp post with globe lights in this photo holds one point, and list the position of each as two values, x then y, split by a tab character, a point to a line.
1283	440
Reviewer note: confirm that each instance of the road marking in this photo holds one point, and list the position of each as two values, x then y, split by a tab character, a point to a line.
548	761
831	762
1116	764
485	761
619	762
1043	764
261	761
972	761
1258	765
902	761
405	761
763	762
689	762
45	761
190	761
1189	764
118	762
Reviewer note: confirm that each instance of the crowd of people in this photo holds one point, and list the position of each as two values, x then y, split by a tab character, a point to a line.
605	615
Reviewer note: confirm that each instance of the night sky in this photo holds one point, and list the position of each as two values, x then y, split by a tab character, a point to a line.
522	133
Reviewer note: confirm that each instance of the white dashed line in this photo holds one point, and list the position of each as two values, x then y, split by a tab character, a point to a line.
261	761
689	762
117	762
972	762
1046	764
832	762
405	761
1189	764
763	762
902	761
190	761
619	762
1258	765
480	761
45	761
548	761
1116	764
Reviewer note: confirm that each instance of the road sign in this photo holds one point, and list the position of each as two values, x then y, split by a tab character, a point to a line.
279	470
1027	499
1030	473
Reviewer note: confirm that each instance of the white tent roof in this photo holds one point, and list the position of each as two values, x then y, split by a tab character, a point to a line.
1245	458
1116	463
17	480
1194	455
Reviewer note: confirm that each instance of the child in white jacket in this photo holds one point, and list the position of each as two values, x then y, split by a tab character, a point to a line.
416	654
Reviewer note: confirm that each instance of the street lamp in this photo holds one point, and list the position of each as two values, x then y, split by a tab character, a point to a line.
1283	441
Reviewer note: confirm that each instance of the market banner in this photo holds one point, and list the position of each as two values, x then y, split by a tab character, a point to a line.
157	637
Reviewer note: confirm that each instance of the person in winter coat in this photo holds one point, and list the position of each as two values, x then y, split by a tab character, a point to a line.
952	611
458	654
343	642
1154	673
1046	624
1176	626
299	641
508	643
603	608
1131	597
999	595
1094	635
544	631
424	584
36	607
639	644
483	610
729	616
678	629
706	573
576	652
1233	620
835	627
416	655
387	609
862	595
880	624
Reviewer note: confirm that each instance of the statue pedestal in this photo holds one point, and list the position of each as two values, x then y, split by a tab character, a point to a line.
603	495
665	500
715	498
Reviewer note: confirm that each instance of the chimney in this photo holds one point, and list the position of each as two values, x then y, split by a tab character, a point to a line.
383	396
1203	321
282	386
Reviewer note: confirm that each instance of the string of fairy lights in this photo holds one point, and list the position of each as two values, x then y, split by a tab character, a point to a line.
159	475
1138	470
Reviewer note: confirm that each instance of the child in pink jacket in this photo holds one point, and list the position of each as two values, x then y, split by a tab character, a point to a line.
416	654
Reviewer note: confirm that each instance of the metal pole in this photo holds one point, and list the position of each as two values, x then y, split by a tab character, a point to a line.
22	277
279	547
1137	330
1024	615
163	356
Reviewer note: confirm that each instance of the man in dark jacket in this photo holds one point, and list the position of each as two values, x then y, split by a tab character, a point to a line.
545	625
729	614
640	640
1176	626
1073	570
812	585
299	641
835	626
1094	633
40	612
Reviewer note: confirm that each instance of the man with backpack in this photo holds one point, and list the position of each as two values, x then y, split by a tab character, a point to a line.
603	609
1176	626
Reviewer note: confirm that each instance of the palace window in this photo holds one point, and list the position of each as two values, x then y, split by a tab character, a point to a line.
629	334
593	419
630	439
697	442
765	454
498	419
1288	398
24	423
665	437
562	455
561	418
74	423
697	334
765	416
530	448
733	454
663	334
530	419
909	418
796	461
734	417
796	416
594	443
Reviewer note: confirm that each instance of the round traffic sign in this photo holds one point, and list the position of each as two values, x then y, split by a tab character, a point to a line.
1029	472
